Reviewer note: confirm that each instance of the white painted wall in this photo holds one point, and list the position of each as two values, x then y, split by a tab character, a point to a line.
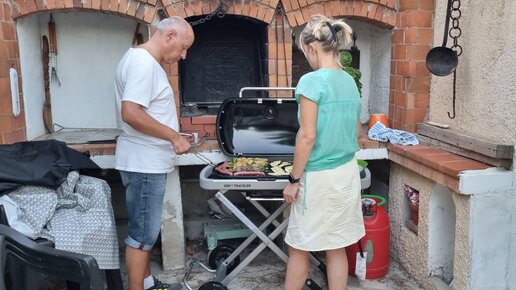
492	227
511	279
441	233
493	215
29	38
374	44
89	48
486	85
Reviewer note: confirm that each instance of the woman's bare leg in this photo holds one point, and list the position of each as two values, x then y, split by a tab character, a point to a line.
297	269
337	269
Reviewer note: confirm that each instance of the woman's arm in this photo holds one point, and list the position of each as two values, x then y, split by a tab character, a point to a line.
304	144
306	137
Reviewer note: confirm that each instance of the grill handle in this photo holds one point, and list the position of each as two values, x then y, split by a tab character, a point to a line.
264	89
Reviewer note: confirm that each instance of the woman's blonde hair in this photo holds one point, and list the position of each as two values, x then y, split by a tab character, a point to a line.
330	33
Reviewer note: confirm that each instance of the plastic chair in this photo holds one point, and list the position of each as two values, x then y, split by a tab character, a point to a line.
113	276
19	252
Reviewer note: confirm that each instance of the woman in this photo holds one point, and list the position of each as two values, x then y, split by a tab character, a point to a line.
324	186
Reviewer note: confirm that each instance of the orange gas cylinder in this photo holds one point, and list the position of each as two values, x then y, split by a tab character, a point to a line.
376	240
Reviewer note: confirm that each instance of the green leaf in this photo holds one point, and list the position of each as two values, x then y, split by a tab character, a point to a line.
345	59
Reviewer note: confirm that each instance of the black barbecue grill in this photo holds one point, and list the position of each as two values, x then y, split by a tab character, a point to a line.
252	128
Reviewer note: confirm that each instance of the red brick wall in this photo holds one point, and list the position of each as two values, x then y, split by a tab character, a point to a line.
281	21
410	79
411	21
378	12
280	54
11	129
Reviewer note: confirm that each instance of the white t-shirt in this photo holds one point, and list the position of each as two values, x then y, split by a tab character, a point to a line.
141	79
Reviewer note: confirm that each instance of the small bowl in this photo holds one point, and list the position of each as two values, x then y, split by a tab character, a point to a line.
382	118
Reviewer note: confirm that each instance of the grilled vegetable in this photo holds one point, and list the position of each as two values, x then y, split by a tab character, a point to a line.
248	164
279	168
275	163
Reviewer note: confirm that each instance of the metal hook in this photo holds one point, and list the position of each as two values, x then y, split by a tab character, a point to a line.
162	14
454	93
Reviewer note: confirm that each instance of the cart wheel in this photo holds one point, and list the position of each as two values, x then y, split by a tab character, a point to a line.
213	286
219	254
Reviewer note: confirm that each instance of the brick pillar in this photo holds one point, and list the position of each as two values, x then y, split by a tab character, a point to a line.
11	129
410	79
280	53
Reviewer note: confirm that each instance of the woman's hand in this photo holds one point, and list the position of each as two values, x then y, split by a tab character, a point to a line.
291	192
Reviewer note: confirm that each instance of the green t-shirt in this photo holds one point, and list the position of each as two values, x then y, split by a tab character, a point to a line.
338	111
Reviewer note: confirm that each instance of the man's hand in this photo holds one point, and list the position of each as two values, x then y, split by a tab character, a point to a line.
291	192
180	144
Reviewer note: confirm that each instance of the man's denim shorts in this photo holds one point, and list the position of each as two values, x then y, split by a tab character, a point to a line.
144	199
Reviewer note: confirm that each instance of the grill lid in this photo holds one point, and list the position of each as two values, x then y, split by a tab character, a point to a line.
257	127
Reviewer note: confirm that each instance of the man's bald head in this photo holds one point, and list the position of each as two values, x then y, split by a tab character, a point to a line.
172	39
174	22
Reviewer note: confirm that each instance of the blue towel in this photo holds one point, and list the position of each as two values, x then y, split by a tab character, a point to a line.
381	133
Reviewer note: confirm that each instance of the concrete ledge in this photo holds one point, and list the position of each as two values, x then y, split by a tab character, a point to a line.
440	166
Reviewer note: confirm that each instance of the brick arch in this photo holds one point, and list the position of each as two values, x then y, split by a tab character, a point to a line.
378	12
141	10
260	10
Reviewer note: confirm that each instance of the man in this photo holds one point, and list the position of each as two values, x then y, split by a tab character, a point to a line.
149	140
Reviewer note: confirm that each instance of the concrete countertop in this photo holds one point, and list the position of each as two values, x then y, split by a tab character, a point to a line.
104	153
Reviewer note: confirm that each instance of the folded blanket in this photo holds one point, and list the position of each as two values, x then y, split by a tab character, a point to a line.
381	133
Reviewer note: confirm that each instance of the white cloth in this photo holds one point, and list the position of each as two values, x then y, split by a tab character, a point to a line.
78	217
141	79
381	133
328	213
15	217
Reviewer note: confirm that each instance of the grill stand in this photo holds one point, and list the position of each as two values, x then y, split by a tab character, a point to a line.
222	277
267	241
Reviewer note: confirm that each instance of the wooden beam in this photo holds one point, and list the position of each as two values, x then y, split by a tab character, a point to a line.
468	142
505	163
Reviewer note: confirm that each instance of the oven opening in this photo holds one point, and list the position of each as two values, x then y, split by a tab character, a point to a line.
66	97
228	53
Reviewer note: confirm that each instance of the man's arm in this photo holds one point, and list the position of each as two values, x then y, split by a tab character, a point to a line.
134	115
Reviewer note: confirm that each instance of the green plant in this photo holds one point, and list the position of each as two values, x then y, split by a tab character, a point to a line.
362	163
345	60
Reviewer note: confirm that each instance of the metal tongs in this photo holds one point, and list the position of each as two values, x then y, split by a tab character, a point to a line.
205	159
196	141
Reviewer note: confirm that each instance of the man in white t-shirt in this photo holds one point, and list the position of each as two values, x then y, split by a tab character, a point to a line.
149	140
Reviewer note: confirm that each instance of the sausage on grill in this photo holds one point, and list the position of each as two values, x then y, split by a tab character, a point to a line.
223	169
249	173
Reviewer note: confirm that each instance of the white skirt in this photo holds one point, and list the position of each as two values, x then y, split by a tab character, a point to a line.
328	213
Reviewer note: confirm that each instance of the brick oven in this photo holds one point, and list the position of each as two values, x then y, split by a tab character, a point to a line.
229	53
271	24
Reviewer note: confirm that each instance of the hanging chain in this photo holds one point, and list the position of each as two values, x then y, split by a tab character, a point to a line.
220	12
455	32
